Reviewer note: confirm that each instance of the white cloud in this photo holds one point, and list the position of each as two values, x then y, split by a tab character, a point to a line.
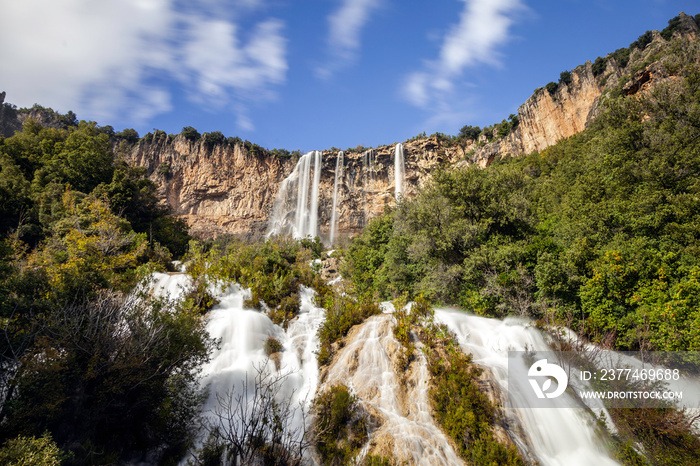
103	58
219	63
344	27
483	27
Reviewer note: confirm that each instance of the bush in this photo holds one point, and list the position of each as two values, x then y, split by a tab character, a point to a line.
215	138
565	78
31	451
341	426
272	346
599	66
190	133
469	132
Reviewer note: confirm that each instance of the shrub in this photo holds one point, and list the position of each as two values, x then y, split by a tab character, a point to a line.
214	138
164	170
599	65
272	346
469	132
190	133
31	451
340	427
565	78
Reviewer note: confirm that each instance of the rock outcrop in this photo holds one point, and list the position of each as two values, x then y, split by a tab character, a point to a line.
223	189
551	115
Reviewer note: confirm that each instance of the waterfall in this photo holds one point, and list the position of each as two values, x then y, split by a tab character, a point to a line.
366	366
562	436
242	334
399	171
339	167
295	210
313	217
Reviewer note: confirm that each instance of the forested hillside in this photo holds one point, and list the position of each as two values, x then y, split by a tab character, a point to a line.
599	232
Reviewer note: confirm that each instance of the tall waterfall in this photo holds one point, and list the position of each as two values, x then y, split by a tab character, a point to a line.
295	211
399	171
339	167
368	163
242	334
562	436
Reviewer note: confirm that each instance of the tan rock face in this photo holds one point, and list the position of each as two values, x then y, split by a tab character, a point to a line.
218	190
223	189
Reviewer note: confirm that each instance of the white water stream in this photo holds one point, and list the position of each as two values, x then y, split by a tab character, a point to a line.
561	436
339	167
242	333
366	366
399	171
552	437
295	210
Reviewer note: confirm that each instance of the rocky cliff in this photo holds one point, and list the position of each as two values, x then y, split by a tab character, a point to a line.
563	109
223	188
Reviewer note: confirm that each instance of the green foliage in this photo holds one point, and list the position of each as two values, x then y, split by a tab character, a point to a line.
340	426
31	451
551	87
461	409
565	78
113	375
469	132
621	56
39	165
273	270
215	138
272	345
164	170
190	134
342	313
599	66
665	434
643	40
599	232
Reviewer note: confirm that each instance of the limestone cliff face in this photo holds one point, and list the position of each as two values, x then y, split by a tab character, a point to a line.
548	117
219	189
224	189
367	188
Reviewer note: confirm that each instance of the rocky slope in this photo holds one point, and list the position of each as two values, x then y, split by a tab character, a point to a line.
549	116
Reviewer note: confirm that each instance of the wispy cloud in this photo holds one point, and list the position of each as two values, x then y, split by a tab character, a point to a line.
218	65
483	27
104	59
344	27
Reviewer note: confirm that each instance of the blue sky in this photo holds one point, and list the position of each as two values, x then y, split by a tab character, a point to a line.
305	74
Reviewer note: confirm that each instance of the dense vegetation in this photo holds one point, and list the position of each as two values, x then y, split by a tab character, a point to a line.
91	372
599	232
460	408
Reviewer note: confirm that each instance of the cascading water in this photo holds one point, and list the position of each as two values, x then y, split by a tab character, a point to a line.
399	171
242	334
295	211
339	167
561	436
365	365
